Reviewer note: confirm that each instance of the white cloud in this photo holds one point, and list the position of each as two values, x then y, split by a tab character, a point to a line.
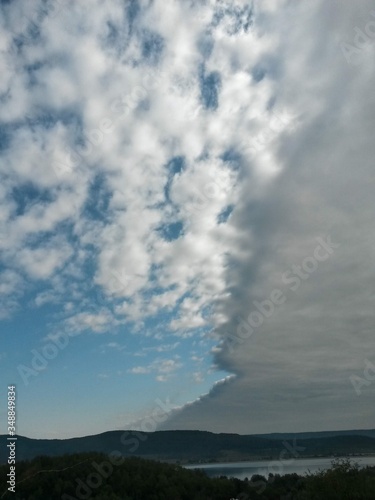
100	322
49	296
164	368
42	262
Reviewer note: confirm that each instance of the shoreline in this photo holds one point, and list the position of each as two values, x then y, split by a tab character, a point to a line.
265	460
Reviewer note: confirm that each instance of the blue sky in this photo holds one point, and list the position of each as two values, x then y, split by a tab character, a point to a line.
166	166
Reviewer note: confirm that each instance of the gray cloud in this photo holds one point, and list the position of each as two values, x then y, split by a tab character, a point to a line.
292	372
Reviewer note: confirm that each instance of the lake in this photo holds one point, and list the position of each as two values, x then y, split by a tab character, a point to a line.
301	466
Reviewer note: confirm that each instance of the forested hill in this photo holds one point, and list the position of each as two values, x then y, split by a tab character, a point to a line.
321	434
93	475
197	446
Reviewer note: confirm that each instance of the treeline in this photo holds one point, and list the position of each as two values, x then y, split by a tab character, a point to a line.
113	477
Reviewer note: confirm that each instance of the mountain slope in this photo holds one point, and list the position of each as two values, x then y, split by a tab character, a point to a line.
194	446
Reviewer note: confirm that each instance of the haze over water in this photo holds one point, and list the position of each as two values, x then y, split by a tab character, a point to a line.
301	466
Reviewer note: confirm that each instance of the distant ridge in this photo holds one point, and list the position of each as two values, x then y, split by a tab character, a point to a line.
197	446
309	435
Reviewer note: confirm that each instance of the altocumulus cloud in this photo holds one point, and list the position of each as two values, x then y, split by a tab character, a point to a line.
165	163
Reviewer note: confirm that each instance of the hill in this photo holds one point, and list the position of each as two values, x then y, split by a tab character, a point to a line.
197	446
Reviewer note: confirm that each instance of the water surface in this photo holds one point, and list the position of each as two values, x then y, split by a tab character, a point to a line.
301	466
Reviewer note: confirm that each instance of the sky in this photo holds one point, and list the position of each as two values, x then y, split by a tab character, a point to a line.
186	215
